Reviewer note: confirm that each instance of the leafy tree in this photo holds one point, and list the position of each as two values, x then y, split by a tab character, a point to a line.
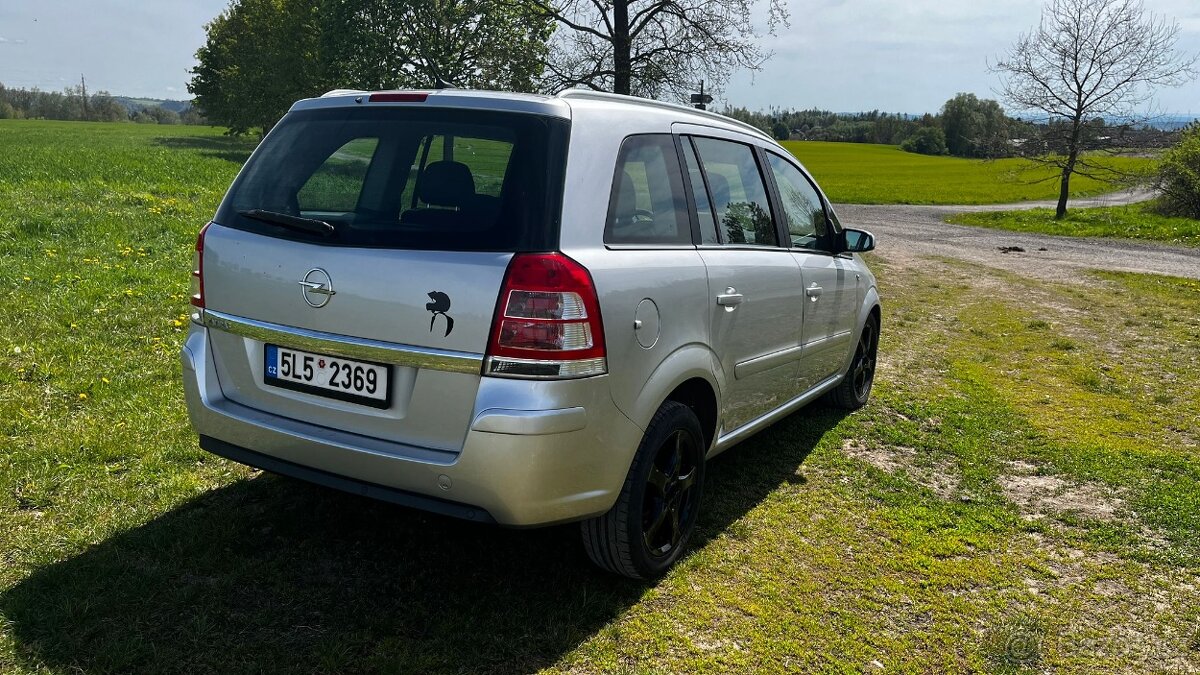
653	48
104	108
262	55
780	131
155	115
1179	175
926	141
974	127
1089	59
259	57
383	44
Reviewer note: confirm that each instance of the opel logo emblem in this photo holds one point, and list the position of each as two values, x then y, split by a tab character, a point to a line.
317	287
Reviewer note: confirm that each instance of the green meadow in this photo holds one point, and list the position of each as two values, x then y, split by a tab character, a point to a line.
1021	495
1135	221
862	173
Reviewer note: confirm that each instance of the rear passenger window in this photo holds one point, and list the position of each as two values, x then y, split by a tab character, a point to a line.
801	205
647	205
738	194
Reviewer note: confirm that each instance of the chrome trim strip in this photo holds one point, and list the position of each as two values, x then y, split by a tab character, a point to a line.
759	364
345	346
754	426
650	247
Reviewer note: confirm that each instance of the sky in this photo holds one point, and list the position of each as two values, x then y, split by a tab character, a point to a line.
843	55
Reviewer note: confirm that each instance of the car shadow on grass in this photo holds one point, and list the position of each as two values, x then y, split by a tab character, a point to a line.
234	149
272	574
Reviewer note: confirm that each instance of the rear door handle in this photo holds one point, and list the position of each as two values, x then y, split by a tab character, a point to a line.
813	292
730	298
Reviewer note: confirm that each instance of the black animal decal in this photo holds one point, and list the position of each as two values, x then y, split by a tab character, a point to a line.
439	307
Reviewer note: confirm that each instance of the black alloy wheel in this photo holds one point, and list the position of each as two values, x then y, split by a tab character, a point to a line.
668	505
855	388
862	370
648	527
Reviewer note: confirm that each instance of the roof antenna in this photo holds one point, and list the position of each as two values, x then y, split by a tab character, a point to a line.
439	83
700	101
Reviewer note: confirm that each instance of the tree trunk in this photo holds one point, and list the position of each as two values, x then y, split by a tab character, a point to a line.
622	65
1064	189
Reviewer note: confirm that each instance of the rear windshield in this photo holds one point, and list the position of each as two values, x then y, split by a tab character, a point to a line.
420	178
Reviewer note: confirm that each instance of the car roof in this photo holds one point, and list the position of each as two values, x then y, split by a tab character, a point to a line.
560	105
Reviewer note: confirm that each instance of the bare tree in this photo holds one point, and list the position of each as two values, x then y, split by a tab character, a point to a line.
654	48
1090	63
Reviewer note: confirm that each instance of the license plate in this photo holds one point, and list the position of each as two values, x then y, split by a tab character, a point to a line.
330	376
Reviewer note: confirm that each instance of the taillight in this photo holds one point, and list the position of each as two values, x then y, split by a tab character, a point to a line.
547	322
198	272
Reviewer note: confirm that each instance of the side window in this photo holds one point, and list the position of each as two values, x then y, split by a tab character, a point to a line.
335	186
738	193
801	205
704	211
647	205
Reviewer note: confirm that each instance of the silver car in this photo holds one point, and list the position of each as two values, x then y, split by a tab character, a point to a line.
521	309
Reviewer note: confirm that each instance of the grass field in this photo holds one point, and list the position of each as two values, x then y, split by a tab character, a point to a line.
1138	221
860	173
1022	494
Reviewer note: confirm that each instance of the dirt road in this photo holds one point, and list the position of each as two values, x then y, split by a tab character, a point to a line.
907	233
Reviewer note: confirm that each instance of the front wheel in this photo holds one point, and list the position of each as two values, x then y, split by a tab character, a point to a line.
854	390
646	531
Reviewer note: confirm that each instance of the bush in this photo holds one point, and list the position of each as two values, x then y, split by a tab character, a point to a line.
780	131
1179	175
927	141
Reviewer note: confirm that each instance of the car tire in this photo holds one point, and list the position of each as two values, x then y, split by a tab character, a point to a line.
854	390
648	528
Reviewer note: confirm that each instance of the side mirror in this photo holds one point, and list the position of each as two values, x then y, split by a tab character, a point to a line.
856	241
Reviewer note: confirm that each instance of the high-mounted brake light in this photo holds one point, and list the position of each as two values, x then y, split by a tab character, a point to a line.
399	97
547	322
198	272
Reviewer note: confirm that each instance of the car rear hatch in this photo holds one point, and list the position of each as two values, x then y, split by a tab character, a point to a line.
350	277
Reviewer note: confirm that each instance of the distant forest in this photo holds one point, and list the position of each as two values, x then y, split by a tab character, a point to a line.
75	104
965	126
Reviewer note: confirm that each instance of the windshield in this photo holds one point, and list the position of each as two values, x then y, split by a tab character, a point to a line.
420	178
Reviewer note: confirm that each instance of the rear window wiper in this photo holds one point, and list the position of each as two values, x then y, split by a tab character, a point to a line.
309	225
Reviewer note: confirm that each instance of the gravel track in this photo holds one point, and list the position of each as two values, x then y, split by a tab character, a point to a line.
906	233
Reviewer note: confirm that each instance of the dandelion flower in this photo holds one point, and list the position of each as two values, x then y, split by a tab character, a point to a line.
83	396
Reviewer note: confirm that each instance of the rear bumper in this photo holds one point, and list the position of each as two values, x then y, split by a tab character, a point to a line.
380	492
537	453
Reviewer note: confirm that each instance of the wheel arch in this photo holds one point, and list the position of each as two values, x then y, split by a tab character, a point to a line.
691	375
870	307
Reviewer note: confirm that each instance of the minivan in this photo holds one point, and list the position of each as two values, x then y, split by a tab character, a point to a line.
521	309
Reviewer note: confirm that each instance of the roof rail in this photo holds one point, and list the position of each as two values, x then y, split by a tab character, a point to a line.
342	92
637	100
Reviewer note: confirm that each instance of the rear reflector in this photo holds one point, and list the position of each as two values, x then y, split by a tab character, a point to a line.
400	97
197	299
547	322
